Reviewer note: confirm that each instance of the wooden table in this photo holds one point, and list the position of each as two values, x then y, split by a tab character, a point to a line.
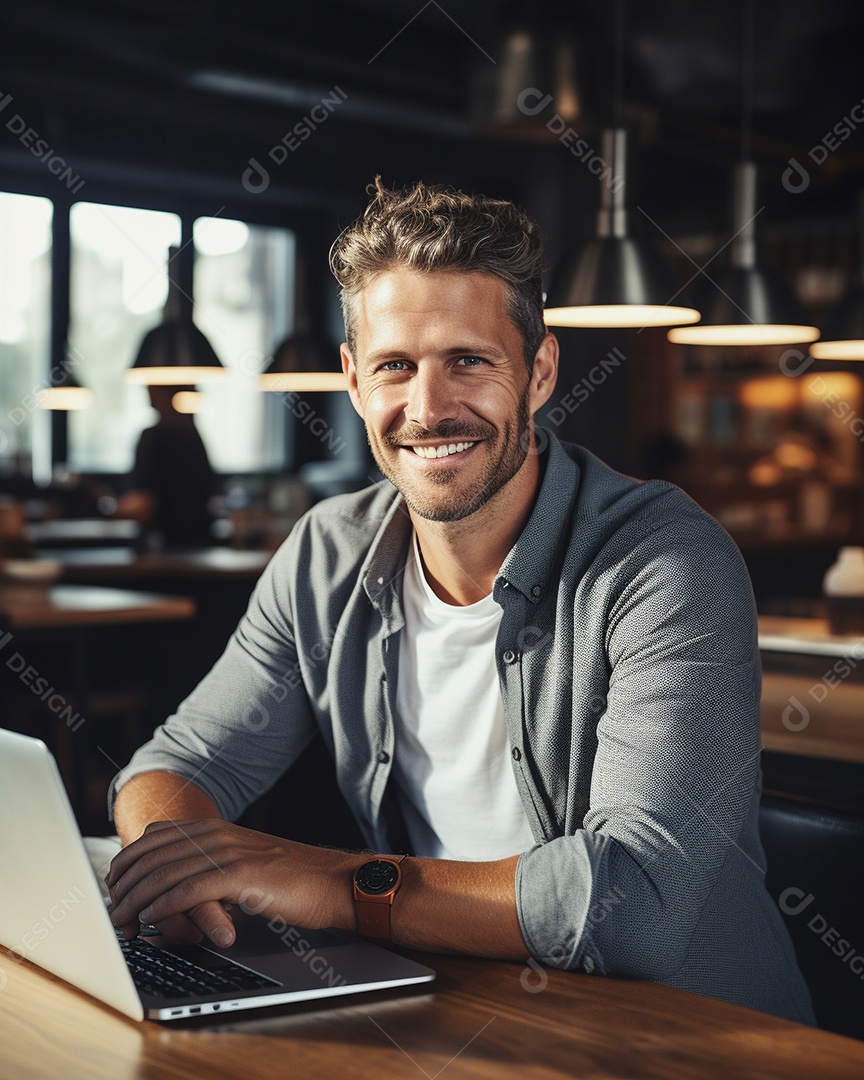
106	565
480	1019
35	607
806	637
219	581
88	531
63	618
812	690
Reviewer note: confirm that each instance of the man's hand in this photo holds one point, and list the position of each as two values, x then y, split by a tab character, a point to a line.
201	869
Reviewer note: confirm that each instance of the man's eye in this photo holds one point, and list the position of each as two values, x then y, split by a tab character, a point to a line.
393	365
470	361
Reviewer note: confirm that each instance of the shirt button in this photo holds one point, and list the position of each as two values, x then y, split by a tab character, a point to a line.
588	965
517	754
383	757
380	580
536	590
509	656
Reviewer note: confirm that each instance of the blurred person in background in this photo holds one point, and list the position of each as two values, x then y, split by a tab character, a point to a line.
171	481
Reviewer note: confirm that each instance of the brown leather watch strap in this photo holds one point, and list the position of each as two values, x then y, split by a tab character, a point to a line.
373	909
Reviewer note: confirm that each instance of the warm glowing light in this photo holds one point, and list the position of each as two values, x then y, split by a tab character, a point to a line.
778	392
743	334
172	376
837	383
765	474
620	315
837	350
792	455
187	401
64	398
303	381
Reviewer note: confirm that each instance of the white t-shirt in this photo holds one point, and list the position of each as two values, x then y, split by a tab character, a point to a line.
452	762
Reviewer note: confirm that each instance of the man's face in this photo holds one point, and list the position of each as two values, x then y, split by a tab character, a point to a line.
439	378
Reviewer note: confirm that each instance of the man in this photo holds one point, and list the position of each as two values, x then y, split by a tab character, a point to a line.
538	676
171	482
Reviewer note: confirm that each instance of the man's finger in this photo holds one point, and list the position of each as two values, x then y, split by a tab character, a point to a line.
214	922
181	878
180	928
157	835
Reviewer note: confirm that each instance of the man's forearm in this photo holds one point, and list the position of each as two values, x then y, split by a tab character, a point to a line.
443	905
463	907
158	796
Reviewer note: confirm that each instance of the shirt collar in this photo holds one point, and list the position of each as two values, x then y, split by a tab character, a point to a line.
385	564
531	559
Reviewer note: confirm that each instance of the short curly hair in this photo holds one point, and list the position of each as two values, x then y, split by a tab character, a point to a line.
430	227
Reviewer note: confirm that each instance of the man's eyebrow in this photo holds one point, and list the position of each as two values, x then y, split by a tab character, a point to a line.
383	355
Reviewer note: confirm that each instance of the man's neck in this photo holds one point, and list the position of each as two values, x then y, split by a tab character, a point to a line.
462	558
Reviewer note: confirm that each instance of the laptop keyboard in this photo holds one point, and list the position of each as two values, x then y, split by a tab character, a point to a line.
161	973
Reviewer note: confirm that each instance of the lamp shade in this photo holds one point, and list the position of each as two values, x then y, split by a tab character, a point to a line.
615	279
304	362
749	304
173	353
844	334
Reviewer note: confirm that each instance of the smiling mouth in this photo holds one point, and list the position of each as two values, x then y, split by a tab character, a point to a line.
444	450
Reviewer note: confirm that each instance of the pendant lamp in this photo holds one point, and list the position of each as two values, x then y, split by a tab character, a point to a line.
844	332
307	361
303	363
749	304
175	352
615	279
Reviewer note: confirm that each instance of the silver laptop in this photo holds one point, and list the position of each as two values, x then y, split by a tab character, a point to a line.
52	912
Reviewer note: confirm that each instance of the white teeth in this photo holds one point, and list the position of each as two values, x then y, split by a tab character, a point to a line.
441	451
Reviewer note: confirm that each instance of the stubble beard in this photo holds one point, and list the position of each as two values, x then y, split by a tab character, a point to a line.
511	446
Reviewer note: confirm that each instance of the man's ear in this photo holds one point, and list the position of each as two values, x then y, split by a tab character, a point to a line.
545	372
351	374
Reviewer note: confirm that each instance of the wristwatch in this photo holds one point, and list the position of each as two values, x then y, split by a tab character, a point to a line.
375	886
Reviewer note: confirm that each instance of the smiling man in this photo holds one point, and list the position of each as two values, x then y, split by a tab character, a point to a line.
541	676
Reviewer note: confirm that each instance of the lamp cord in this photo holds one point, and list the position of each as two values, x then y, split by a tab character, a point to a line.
618	65
748	74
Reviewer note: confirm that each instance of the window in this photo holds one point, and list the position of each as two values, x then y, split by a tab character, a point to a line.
119	285
243	290
243	286
25	327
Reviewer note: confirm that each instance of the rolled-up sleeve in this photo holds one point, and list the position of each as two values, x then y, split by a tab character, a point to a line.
675	769
249	718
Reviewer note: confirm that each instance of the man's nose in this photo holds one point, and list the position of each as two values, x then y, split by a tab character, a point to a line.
430	398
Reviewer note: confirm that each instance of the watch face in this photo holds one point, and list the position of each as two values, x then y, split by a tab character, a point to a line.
376	877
